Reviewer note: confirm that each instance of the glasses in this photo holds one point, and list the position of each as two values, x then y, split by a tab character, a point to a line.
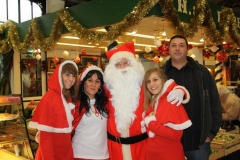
122	64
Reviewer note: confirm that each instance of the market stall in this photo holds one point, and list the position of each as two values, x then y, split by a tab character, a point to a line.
225	144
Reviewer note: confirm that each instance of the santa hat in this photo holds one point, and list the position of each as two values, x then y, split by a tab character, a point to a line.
89	68
125	51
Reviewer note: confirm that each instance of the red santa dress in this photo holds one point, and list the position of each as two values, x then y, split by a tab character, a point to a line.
166	127
53	118
117	149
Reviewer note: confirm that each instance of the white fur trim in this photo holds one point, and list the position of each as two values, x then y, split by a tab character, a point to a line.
121	54
182	126
48	128
148	119
71	106
186	93
90	68
151	134
165	86
143	128
126	150
60	70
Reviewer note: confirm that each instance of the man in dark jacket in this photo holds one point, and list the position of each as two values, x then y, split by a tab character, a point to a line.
204	108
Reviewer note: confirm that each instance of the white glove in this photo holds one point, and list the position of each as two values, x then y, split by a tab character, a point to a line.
176	95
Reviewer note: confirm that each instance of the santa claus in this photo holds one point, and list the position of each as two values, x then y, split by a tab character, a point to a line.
123	78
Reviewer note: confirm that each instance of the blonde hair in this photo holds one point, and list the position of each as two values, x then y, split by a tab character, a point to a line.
149	100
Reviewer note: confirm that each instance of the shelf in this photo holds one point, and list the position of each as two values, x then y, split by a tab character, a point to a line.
10	100
14	135
5	155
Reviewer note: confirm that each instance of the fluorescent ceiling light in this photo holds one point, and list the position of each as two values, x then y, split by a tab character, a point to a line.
131	34
79	45
70	37
137	44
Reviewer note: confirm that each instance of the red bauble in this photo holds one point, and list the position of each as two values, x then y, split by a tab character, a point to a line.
155	59
226	46
207	54
55	60
222	56
83	51
190	46
163	50
94	58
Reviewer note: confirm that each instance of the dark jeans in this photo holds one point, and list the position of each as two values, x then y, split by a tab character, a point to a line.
201	154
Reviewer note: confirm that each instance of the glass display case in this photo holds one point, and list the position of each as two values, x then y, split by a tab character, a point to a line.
15	142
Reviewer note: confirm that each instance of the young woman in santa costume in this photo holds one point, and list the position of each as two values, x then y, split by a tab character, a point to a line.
90	119
54	114
164	121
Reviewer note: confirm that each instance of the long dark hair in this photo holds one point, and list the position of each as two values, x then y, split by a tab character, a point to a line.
101	98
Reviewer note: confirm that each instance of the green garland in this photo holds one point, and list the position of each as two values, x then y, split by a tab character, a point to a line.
202	17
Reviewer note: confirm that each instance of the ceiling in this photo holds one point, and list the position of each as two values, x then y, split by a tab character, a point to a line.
150	26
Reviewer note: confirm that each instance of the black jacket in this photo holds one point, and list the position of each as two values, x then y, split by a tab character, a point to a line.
211	115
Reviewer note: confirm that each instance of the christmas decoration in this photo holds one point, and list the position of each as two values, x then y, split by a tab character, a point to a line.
148	49
163	49
214	48
65	54
160	59
156	59
94	58
207	54
190	46
226	46
218	71
157	43
55	60
202	14
38	57
222	56
83	51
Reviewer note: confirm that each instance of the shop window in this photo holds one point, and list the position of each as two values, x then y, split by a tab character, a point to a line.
31	75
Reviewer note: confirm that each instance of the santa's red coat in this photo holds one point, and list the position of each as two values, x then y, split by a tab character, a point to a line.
137	150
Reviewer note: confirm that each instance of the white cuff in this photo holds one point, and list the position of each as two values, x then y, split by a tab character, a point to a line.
148	119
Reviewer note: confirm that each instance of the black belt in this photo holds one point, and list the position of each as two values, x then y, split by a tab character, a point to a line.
127	140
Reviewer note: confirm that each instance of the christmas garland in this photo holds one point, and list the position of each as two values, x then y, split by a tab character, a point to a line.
202	17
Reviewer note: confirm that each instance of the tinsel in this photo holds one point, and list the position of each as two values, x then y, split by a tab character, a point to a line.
201	17
119	29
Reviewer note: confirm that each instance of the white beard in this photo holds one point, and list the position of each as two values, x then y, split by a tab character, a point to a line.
124	86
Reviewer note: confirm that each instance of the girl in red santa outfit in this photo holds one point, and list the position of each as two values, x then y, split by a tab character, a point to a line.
164	121
90	119
53	116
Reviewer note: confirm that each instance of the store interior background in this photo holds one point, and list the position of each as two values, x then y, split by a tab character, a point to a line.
146	32
143	35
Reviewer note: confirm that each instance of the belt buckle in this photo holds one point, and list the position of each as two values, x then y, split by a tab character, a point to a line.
118	140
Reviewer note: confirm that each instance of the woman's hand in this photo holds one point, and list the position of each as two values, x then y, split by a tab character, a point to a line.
152	114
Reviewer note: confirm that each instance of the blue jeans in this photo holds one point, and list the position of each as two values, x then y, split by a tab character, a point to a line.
201	154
